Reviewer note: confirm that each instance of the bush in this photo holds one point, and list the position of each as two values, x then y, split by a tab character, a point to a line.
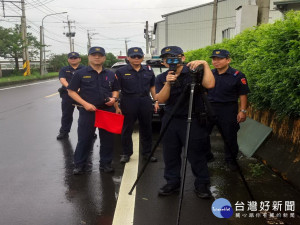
269	55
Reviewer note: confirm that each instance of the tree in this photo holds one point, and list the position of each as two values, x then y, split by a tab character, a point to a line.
110	60
11	44
56	62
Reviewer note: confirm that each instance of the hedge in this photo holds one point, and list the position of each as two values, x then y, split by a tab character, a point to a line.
269	55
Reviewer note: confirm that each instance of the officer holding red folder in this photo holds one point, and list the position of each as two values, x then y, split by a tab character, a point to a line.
98	90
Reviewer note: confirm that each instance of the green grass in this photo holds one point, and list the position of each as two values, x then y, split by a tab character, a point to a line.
19	78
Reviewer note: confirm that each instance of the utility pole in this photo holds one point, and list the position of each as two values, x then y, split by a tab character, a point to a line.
146	31
126	48
90	35
89	41
26	63
214	22
70	34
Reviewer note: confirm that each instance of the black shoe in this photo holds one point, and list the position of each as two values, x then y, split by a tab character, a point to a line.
152	159
169	189
62	136
210	157
202	191
79	170
124	159
95	136
232	166
106	168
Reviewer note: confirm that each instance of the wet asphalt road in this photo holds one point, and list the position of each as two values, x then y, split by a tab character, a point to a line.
37	186
36	182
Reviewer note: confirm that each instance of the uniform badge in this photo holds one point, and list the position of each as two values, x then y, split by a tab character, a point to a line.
86	77
168	49
73	53
127	74
243	80
97	49
217	52
135	50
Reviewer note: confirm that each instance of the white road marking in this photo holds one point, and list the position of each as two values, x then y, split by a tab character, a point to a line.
124	212
48	96
25	85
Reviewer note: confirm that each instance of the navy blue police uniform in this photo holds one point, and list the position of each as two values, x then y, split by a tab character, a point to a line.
67	102
94	88
175	135
136	104
224	101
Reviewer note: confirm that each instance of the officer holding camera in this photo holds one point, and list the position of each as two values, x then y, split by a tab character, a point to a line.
67	107
169	86
136	82
231	85
98	90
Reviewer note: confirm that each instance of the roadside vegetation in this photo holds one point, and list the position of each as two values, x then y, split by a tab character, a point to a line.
269	55
18	78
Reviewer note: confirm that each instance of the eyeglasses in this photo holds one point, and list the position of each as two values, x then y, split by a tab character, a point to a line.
73	58
136	56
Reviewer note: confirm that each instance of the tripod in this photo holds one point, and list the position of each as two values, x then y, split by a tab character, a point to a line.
196	82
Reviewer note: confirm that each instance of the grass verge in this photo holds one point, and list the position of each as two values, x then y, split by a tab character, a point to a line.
18	79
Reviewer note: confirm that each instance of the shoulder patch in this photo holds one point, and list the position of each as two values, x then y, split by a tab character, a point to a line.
86	76
244	81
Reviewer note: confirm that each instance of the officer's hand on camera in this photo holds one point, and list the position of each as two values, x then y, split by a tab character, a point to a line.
171	77
89	107
111	101
194	64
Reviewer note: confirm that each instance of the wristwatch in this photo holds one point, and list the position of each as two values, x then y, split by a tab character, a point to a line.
243	110
116	99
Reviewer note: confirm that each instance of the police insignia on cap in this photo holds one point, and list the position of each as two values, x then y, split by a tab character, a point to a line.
168	49
73	53
97	49
217	52
135	50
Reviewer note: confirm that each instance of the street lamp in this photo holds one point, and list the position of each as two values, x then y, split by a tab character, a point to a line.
42	43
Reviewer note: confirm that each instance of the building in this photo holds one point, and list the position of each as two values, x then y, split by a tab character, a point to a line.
191	28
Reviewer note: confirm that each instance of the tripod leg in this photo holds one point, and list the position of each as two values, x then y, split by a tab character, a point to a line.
180	100
185	152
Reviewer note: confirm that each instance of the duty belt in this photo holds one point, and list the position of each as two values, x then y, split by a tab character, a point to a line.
135	95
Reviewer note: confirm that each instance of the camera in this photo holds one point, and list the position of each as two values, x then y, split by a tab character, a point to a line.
173	62
197	74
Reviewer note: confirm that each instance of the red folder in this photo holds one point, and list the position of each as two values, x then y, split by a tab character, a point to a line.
109	121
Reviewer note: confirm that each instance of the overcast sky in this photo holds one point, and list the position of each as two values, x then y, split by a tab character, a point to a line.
111	21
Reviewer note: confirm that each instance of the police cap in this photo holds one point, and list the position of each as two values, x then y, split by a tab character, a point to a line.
97	50
172	50
220	53
135	51
73	55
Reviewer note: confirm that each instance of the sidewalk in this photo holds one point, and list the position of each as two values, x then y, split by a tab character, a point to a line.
267	189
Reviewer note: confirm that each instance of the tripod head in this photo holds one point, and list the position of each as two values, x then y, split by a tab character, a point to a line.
197	74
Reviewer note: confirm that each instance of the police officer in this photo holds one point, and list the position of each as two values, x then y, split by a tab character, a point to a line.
175	135
136	81
65	76
231	86
98	90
